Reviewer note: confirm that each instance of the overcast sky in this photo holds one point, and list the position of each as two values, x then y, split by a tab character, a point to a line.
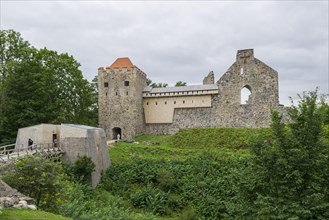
182	41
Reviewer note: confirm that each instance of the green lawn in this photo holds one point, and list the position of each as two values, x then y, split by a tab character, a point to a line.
24	214
122	151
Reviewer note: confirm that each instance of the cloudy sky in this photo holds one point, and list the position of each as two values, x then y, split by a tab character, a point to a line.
182	40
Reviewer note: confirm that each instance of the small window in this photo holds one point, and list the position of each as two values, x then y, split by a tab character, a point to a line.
183	102
165	103
192	101
126	93
106	94
126	83
116	93
106	84
147	103
174	102
156	103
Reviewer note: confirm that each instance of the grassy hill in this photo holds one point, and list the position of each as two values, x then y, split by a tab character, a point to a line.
23	214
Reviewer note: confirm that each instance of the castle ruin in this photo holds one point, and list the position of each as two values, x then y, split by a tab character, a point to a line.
128	107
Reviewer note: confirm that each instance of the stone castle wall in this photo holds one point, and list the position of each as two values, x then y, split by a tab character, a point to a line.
118	109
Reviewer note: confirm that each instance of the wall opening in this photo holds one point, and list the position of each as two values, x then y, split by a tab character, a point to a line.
126	83
245	95
116	133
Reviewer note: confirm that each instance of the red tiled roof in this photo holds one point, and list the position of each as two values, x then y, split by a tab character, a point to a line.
121	63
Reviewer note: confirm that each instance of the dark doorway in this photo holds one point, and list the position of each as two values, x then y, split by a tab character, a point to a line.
116	133
55	140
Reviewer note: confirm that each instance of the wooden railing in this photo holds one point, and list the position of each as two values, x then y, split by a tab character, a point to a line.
10	151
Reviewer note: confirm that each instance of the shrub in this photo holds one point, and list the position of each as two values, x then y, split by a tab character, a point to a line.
81	169
152	199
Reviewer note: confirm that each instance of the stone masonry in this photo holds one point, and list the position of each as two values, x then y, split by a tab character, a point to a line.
127	107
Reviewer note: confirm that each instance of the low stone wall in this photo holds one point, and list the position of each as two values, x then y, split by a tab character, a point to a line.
11	198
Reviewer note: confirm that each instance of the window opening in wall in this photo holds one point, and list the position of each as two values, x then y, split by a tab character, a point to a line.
245	95
165	103
156	103
106	94
106	84
241	71
116	93
174	102
192	101
126	93
126	83
183	102
147	103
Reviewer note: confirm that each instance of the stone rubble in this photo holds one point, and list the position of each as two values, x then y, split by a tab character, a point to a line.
10	198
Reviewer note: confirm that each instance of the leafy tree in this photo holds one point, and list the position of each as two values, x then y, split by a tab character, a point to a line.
12	50
148	82
38	178
180	83
159	85
293	172
43	86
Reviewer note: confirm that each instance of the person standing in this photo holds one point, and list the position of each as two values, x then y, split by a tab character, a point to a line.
30	144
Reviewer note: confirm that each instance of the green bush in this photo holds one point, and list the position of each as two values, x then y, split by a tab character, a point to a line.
81	169
38	178
152	199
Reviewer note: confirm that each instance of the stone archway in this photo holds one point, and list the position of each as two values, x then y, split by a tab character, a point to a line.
116	132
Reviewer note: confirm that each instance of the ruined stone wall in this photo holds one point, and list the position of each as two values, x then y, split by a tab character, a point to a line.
121	101
209	79
226	109
261	81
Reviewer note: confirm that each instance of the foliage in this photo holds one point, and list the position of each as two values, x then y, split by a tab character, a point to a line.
158	85
84	203
180	83
41	86
81	169
23	214
38	178
204	180
293	172
12	47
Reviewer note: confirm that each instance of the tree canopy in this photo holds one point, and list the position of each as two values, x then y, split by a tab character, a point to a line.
41	86
180	83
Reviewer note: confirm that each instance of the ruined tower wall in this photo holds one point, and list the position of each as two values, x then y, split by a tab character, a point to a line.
261	81
121	101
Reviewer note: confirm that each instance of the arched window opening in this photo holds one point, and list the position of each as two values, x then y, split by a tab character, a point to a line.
116	133
245	95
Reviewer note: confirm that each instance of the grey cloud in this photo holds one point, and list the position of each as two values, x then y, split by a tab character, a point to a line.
183	41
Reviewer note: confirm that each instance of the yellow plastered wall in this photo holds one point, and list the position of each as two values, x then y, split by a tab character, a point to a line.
161	109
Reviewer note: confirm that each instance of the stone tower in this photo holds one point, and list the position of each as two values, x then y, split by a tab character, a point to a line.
120	99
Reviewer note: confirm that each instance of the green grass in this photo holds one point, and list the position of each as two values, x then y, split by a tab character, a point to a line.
122	151
24	214
233	138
